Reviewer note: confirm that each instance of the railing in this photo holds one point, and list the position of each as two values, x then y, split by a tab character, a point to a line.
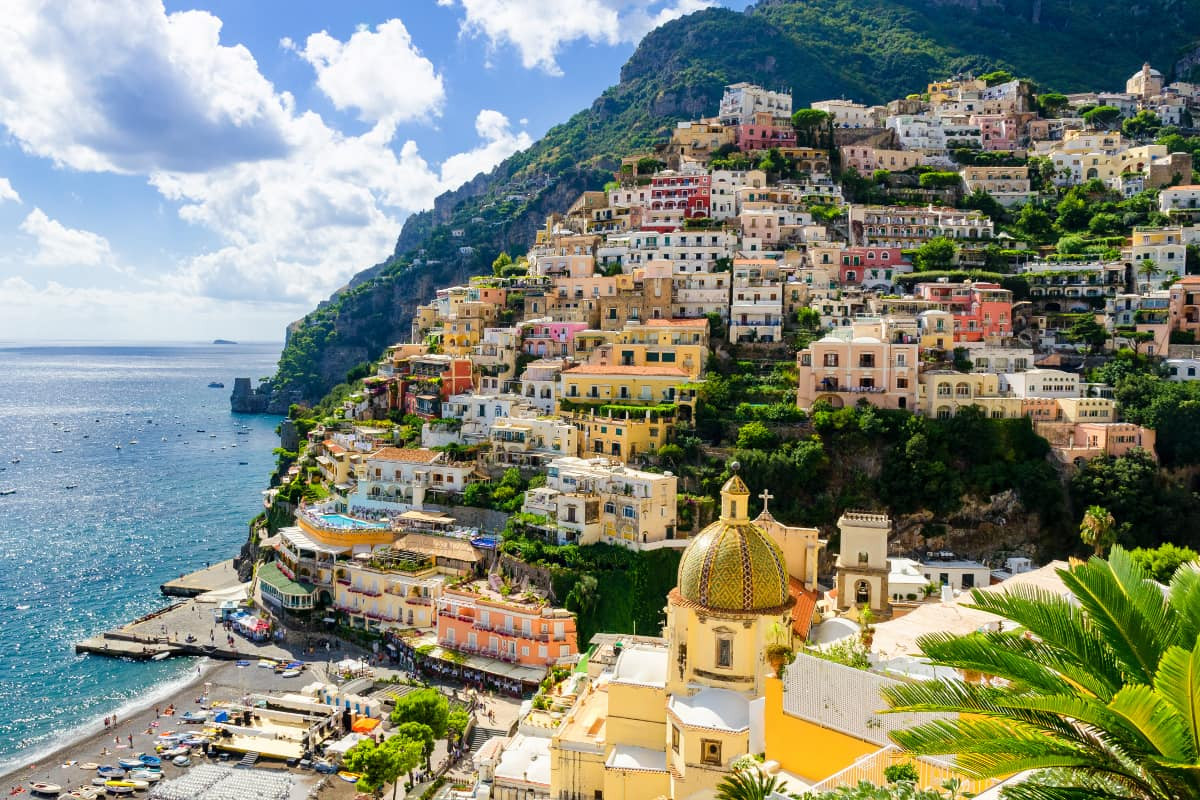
364	590
871	768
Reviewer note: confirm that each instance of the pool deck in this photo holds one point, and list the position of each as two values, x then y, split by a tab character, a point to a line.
221	575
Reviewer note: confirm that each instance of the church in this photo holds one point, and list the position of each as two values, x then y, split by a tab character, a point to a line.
668	719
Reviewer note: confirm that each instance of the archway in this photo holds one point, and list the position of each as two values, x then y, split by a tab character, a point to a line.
862	593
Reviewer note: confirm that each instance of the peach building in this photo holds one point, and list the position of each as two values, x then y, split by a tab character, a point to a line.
480	621
981	310
1184	305
873	359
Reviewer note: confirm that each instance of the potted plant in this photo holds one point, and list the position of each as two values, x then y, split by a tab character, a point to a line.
779	652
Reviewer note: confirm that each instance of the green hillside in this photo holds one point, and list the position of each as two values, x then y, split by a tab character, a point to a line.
870	50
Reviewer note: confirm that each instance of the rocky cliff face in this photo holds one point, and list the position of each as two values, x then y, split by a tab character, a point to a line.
979	530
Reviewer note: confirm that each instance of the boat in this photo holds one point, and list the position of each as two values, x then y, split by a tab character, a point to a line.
89	765
45	789
324	767
150	761
145	775
290	673
110	772
118	787
99	781
243	463
71	486
117	446
82	793
181	761
139	786
349	777
7	491
56	450
133	441
130	763
216	385
15	460
194	716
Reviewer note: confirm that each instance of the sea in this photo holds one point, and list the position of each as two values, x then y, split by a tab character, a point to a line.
91	530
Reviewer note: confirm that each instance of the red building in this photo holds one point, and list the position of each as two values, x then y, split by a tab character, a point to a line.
981	310
426	380
863	265
690	193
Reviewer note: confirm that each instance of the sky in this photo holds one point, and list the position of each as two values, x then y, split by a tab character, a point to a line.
213	168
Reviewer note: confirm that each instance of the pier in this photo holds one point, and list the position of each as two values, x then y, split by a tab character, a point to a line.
221	575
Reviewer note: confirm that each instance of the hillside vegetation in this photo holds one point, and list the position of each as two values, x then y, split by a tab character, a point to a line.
869	50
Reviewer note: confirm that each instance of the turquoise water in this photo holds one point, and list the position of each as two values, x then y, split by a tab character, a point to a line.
76	561
342	521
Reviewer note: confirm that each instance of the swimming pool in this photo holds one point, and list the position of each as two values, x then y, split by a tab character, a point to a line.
342	521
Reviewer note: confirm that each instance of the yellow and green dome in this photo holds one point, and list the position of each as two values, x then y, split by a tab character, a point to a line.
732	565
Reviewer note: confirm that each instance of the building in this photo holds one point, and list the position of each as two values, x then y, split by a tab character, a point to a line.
742	101
1008	185
394	589
1145	83
756	306
597	385
1184	306
982	311
908	227
1179	199
480	621
597	500
873	359
959	574
848	114
394	478
867	159
862	564
1158	256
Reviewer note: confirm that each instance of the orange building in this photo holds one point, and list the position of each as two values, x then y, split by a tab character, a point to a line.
479	621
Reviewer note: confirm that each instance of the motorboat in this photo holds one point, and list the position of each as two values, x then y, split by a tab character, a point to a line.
349	777
57	450
290	673
117	446
151	761
145	775
118	787
110	772
181	761
216	385
324	767
45	789
130	763
8	491
194	716
175	751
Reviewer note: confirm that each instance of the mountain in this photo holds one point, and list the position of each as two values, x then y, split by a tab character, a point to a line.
868	50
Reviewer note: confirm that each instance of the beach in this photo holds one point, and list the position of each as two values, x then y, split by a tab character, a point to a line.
225	682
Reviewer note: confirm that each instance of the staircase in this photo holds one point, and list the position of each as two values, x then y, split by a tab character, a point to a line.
480	734
248	760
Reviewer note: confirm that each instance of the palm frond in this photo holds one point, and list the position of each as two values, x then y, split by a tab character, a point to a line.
1178	683
992	655
1184	596
1156	719
1127	609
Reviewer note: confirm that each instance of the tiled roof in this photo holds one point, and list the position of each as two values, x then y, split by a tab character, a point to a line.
417	455
802	612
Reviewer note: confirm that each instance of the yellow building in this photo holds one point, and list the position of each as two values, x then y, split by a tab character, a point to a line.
391	590
670	721
648	385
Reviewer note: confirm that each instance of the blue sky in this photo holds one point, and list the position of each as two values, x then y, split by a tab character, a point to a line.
193	170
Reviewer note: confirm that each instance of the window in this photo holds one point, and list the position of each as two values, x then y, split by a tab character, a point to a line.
629	512
675	738
866	360
725	652
710	752
831	359
864	557
610	507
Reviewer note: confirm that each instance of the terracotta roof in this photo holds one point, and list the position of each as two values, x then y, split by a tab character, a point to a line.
415	455
333	448
617	369
802	612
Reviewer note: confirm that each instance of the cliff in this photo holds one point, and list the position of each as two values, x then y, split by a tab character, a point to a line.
870	50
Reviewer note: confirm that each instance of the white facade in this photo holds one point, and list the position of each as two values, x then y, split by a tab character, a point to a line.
742	101
1041	383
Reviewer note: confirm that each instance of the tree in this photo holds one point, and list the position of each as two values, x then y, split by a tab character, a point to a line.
1141	125
1098	530
1072	212
1053	103
997	77
584	594
377	765
1071	244
755	436
457	722
1147	269
1104	224
671	453
1096	693
1034	223
1087	330
937	253
1140	338
503	260
748	784
898	790
1161	562
419	732
1102	117
939	180
427	706
649	165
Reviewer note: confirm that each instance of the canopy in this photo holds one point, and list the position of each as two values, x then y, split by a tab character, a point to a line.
340	747
364	725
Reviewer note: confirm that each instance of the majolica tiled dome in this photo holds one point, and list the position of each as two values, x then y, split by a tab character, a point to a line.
732	565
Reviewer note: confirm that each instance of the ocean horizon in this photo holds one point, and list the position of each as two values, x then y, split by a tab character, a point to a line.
92	530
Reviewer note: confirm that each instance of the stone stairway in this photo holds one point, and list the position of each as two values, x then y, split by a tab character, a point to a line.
248	760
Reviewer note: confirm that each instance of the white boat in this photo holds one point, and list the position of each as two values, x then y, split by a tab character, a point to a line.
7	491
45	789
56	450
117	446
161	656
181	761
145	775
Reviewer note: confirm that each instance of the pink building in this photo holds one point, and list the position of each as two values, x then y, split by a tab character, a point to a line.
691	193
532	634
763	134
866	159
1184	305
546	338
1079	441
873	360
999	131
981	310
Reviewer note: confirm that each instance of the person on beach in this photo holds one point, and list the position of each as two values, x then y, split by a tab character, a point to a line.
106	723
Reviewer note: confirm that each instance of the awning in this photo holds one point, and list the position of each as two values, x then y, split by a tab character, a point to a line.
364	725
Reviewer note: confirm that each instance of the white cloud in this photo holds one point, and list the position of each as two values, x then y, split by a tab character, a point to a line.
539	28
499	142
380	73
7	193
60	246
123	86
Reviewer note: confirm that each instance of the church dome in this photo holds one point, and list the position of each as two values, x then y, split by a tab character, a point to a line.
732	565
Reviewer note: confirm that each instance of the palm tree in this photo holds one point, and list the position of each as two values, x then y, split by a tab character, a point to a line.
1147	268
748	784
1098	695
1098	529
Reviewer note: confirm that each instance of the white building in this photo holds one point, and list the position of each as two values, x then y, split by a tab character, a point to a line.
1183	369
756	309
848	114
961	575
742	101
598	500
1041	383
397	479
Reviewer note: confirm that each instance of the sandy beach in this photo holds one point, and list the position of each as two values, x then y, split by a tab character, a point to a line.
227	682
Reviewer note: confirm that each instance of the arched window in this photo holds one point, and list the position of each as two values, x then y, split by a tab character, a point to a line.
862	593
